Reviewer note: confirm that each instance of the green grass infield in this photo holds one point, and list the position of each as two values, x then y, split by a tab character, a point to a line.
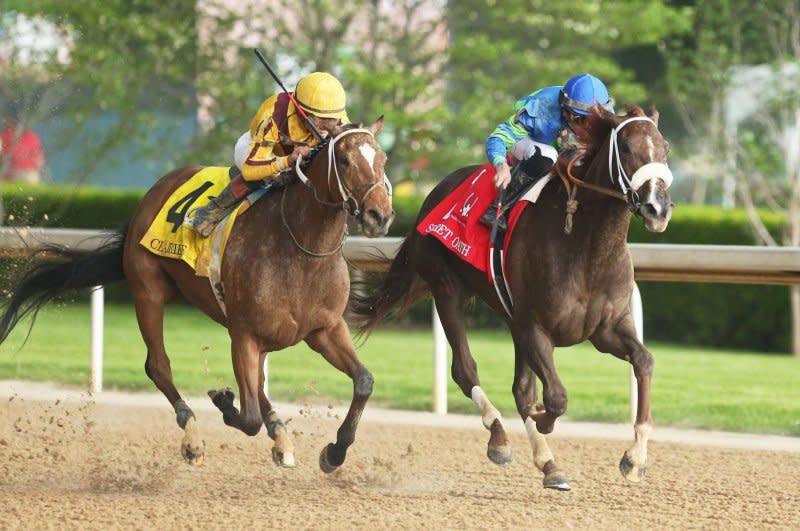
692	387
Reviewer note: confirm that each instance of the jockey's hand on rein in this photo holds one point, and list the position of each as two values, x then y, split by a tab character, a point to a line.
299	150
503	176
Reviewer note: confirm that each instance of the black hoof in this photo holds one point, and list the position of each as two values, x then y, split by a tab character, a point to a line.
222	398
325	464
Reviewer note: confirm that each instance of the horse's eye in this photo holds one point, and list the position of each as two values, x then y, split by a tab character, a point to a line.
344	161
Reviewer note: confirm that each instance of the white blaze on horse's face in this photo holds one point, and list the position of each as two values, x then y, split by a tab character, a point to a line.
369	153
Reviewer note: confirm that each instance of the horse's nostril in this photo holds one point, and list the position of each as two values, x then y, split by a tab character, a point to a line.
651	209
374	216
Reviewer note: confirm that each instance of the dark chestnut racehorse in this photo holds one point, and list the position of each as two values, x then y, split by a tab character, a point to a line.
566	288
285	280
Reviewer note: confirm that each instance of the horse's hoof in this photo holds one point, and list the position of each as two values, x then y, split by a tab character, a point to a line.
500	456
192	453
630	471
324	464
557	481
285	460
222	398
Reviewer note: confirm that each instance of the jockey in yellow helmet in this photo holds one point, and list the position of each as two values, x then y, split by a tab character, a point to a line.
277	137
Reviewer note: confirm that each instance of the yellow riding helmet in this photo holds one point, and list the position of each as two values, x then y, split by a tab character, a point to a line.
322	95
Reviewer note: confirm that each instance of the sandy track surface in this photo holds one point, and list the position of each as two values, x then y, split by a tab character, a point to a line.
97	463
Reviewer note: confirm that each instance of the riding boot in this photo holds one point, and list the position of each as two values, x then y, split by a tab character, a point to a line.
506	198
207	217
523	174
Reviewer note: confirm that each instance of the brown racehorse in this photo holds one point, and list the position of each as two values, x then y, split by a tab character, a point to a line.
566	287
285	280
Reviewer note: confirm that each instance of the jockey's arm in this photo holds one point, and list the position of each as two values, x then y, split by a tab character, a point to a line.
502	139
262	162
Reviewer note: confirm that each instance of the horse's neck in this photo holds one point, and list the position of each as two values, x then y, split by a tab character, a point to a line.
605	218
313	223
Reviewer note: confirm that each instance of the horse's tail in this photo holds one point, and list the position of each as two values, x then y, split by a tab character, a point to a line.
56	269
387	295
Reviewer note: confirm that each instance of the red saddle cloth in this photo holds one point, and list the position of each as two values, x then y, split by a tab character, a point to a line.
455	221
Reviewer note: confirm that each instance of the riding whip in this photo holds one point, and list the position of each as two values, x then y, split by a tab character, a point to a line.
300	110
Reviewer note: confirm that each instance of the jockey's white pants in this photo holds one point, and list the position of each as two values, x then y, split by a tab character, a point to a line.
526	148
240	150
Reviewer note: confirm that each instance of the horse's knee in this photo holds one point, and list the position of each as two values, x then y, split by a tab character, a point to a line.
556	402
643	363
362	384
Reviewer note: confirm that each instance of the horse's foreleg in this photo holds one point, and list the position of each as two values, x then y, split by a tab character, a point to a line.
336	346
465	373
248	368
149	303
536	349
620	340
525	397
283	449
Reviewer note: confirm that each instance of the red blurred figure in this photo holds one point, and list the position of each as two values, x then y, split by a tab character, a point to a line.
21	156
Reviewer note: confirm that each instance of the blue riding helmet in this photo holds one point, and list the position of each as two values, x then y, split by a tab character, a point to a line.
583	91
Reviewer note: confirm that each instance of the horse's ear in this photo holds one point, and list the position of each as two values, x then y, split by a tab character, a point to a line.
377	126
652	113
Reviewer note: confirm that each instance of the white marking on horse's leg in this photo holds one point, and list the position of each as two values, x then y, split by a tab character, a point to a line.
193	447
488	412
541	451
369	153
638	452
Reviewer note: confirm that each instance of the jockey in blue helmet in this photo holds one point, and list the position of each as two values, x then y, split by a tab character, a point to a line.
540	119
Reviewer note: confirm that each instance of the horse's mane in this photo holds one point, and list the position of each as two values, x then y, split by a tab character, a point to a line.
594	130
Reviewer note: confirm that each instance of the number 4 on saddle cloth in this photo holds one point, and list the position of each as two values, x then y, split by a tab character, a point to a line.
171	235
455	222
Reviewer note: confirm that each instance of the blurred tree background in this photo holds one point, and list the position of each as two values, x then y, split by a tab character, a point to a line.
122	91
176	81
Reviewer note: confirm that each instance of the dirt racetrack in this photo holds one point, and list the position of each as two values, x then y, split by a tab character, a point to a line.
97	464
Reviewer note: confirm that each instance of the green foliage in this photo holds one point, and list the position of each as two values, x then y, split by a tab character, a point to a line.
710	225
67	206
501	51
132	61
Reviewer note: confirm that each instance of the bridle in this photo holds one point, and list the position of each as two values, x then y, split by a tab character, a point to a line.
349	202
348	195
628	186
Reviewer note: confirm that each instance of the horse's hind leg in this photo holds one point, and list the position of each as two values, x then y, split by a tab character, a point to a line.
336	346
449	297
525	397
150	296
621	341
283	449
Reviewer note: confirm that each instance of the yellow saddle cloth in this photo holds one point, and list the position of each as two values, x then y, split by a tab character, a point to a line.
170	237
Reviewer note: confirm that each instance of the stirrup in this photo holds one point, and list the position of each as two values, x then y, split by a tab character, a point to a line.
488	218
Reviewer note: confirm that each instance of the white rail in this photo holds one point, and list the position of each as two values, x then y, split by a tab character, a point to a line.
687	263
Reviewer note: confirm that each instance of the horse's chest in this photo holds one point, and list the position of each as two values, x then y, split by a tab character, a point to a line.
572	313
